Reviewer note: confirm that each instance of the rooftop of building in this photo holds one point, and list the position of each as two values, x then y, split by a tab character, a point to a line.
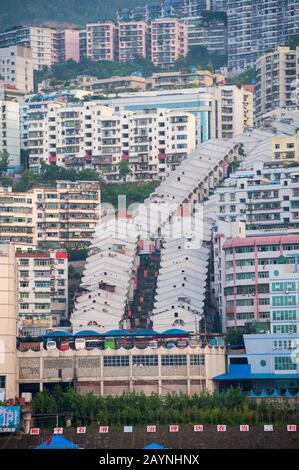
258	241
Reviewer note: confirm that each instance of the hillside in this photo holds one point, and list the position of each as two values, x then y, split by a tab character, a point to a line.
59	11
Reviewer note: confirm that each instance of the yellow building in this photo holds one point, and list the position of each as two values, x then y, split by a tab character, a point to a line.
286	148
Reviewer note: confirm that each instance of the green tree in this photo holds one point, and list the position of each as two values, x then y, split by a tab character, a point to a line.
124	169
4	161
26	181
244	78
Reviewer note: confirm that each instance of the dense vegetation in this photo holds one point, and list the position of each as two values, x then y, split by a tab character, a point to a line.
135	192
246	77
230	407
99	69
48	175
59	11
294	42
198	56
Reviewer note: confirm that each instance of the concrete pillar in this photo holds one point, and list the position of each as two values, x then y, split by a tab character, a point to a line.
160	374
26	418
188	374
131	384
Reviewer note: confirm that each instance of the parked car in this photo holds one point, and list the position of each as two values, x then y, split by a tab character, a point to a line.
153	344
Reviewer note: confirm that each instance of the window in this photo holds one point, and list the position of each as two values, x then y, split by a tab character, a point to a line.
197	360
284	363
24	295
116	361
284	300
283	286
284	315
2	381
24	306
287	329
145	360
173	360
24	262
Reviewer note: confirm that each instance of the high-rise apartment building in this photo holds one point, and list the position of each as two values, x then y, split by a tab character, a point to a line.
8	322
256	27
208	30
16	67
10	132
169	41
39	39
64	214
264	199
96	136
236	111
42	291
256	230
101	41
48	45
132	40
246	288
67	45
82	43
277	72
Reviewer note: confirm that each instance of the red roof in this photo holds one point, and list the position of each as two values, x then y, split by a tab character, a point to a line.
257	241
249	87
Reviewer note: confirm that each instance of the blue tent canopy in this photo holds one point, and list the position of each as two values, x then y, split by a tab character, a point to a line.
85	333
154	445
58	442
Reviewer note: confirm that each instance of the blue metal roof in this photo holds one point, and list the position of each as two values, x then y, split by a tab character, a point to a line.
144	333
243	372
84	333
175	331
58	334
116	333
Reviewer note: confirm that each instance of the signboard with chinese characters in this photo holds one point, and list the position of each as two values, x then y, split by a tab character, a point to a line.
10	418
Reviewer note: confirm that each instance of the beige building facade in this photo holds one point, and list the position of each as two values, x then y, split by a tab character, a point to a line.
10	140
236	110
42	289
277	72
132	40
169	41
16	67
114	372
286	148
8	322
101	41
66	214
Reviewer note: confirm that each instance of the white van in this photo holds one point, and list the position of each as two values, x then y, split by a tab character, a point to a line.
153	344
51	345
80	343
